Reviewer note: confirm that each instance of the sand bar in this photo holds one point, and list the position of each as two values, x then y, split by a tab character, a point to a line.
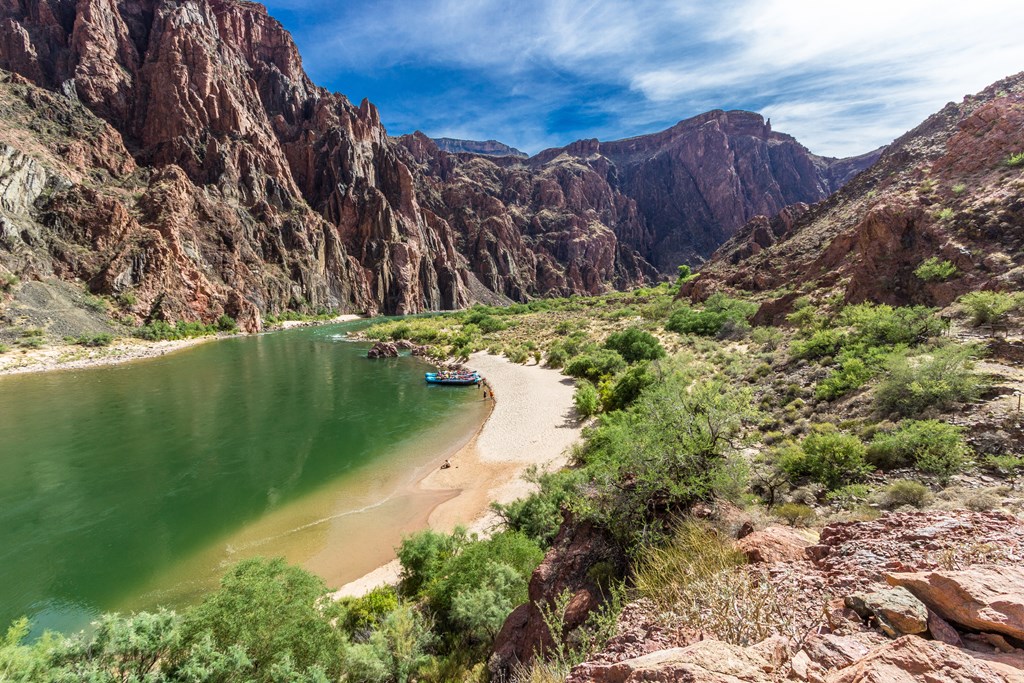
533	423
72	357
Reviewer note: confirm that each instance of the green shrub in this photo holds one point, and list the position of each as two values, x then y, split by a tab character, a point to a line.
795	514
586	399
627	387
7	282
423	557
396	652
1005	465
718	309
595	365
95	340
538	516
31	342
32	332
670	446
852	374
849	496
95	303
934	270
634	344
958	189
987	308
1015	160
271	612
904	492
828	457
225	323
4	348
556	356
367	612
820	344
883	325
937	379
931	446
517	354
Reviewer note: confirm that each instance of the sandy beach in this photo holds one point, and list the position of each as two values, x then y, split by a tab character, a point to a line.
72	357
533	423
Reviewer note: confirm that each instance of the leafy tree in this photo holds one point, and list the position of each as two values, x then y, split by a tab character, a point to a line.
935	270
826	456
269	610
628	386
423	557
635	344
539	515
718	309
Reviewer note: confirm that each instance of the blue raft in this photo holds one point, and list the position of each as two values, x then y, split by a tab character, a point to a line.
453	378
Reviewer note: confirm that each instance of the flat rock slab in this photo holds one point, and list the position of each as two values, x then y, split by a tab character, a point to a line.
985	597
912	659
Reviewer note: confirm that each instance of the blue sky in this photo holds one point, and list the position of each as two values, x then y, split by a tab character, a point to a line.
842	77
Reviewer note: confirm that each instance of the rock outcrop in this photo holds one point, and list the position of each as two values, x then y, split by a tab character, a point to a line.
986	598
487	148
945	190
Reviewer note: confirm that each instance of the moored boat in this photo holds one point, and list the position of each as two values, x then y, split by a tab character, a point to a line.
454	377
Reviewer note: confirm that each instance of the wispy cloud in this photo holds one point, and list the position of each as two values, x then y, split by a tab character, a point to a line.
841	77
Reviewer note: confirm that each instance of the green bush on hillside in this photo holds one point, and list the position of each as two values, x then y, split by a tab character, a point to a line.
933	269
709	321
939	379
634	345
988	308
539	515
595	365
931	446
627	387
827	456
586	399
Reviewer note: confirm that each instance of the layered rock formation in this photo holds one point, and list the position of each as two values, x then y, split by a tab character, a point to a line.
487	148
176	157
948	190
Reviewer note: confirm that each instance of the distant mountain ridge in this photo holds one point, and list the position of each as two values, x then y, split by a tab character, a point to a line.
951	189
177	158
491	148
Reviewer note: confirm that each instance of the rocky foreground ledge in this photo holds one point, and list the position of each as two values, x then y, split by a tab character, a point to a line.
912	596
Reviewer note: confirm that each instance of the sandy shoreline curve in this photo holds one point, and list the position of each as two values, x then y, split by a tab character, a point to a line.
533	423
71	357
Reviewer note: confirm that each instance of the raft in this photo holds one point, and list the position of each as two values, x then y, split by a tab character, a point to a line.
453	379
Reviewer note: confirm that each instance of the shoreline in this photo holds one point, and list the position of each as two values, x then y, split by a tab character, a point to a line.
532	423
124	350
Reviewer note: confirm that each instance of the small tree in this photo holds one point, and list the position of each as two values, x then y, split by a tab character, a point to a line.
635	344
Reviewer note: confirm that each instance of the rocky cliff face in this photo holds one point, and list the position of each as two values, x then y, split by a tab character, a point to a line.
950	189
176	157
698	182
487	148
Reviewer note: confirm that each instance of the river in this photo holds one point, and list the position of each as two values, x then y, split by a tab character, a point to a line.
134	486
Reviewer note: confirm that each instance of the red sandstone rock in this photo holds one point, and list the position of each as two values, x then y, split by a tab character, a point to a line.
912	660
983	598
774	544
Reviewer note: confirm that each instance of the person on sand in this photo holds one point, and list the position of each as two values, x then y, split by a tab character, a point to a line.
446	465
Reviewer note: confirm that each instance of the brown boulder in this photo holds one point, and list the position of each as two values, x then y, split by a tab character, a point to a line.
985	598
774	544
896	610
915	660
383	349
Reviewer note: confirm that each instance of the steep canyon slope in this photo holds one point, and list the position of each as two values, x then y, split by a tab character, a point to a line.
951	190
175	157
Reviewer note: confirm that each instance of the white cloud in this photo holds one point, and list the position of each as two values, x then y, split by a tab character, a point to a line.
841	77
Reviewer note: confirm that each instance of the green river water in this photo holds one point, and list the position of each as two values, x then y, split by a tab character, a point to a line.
132	486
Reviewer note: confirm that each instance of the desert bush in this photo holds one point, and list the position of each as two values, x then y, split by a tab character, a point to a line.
363	614
628	386
1005	465
595	365
933	269
904	492
987	308
820	344
698	581
538	516
586	399
634	345
795	514
931	446
718	309
395	652
827	456
670	445
849	496
272	613
1015	160
769	338
938	379
94	340
851	374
